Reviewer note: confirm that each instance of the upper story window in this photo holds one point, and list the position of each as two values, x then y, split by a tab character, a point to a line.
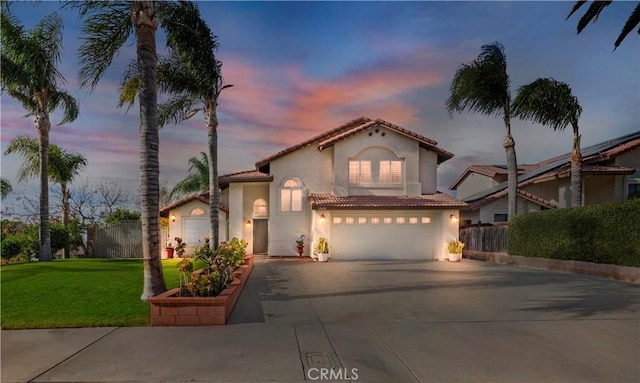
291	196
359	172
390	172
260	208
387	172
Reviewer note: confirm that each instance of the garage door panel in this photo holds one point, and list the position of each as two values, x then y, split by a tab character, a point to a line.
381	240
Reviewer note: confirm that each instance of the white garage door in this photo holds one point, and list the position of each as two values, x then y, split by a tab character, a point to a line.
383	235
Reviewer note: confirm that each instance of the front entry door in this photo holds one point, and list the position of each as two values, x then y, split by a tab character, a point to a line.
260	236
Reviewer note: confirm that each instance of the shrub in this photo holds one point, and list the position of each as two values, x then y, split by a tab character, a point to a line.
11	246
608	233
59	237
221	263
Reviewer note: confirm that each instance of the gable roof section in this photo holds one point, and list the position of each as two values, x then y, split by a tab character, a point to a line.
381	202
202	197
489	171
521	193
244	176
331	137
591	155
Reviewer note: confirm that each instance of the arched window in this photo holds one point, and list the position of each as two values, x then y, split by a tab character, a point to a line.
260	208
291	195
198	211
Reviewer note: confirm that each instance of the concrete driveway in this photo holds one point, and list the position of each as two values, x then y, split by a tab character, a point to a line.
369	321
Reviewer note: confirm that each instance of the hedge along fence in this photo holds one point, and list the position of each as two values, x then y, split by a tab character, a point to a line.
608	233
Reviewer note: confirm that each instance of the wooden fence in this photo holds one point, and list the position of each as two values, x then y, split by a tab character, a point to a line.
120	240
485	238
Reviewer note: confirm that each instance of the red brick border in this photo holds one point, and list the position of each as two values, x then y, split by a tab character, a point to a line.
167	309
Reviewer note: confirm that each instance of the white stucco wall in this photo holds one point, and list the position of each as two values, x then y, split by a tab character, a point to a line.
501	206
182	213
428	171
363	146
251	193
473	183
314	169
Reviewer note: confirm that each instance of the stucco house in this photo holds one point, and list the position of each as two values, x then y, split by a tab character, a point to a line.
368	186
610	172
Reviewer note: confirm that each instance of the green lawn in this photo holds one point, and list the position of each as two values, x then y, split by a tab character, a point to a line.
76	293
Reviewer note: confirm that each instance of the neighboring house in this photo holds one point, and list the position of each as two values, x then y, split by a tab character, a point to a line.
610	172
368	186
189	219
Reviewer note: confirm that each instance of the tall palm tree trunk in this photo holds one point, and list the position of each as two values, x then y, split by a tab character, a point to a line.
65	214
214	192
512	168
576	169
145	22
43	124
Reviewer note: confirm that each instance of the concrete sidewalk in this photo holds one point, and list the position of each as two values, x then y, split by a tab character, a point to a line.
370	322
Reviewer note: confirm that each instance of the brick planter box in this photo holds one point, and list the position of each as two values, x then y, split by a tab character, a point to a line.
168	309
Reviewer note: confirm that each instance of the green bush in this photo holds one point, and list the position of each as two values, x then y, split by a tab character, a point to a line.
11	246
608	233
59	237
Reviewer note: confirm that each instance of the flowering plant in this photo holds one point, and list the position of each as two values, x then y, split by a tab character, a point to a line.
300	240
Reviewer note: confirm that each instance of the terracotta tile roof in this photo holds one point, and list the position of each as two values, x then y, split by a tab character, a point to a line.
202	197
524	194
565	171
614	151
372	202
591	155
244	176
329	138
489	171
338	130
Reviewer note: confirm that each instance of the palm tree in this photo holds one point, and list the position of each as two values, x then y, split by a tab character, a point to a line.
107	26
550	102
482	86
197	180
191	75
63	166
29	75
5	187
593	12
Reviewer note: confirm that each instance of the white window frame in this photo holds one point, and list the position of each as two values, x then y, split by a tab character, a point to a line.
360	172
260	208
390	172
291	196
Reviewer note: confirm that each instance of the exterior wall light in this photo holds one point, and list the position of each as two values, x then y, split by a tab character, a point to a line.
173	217
248	222
322	218
453	218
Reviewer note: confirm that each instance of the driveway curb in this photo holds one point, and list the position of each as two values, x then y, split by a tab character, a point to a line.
620	273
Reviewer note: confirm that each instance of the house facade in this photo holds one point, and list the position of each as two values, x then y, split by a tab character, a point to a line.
368	187
610	173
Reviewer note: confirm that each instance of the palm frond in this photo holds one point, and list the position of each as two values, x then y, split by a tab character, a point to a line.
198	178
70	106
27	147
5	187
64	165
631	23
200	165
176	109
548	102
592	13
106	27
481	86
577	5
48	36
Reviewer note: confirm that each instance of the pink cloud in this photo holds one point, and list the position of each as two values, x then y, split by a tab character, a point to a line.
290	106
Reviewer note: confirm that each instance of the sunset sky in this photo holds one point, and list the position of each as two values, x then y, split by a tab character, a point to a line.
301	68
